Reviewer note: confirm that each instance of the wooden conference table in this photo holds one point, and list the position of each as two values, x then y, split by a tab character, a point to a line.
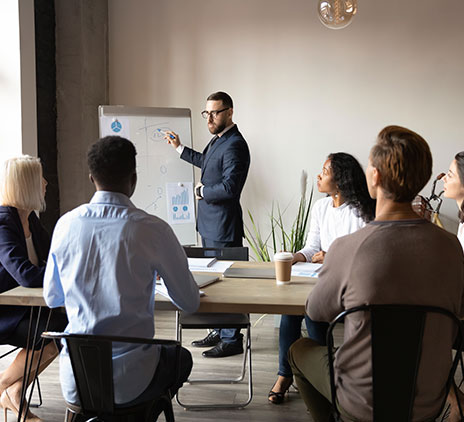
251	295
229	295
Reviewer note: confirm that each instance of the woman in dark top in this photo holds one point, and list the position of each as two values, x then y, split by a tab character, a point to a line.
24	246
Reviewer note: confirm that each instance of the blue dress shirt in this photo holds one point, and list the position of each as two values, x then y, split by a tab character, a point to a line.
102	266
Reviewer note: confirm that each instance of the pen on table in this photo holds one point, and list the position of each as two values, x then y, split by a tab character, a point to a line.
164	133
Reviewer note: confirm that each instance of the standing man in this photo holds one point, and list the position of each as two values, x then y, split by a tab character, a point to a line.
224	167
102	267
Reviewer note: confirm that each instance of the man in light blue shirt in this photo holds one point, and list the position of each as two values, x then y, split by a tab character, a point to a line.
102	267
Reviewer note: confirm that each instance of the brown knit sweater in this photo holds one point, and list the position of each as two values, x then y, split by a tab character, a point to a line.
401	262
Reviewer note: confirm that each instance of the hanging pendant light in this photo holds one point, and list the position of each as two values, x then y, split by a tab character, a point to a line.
337	14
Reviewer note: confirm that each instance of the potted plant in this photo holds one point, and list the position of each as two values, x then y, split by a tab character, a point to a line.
292	239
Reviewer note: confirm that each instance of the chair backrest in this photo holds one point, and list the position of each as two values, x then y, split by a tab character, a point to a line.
91	361
236	253
396	345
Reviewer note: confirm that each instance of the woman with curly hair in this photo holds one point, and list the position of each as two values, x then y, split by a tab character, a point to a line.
347	208
454	189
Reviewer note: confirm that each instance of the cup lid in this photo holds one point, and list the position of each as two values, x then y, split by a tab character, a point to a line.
283	256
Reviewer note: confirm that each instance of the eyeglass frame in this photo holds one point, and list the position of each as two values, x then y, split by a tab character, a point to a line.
205	113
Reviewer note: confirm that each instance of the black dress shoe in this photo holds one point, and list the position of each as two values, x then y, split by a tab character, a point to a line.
223	350
210	340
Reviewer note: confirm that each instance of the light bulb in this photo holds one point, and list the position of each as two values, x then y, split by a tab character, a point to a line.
336	14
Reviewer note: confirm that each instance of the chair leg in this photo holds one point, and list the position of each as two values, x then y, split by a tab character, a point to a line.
39	392
247	357
70	416
178	328
169	412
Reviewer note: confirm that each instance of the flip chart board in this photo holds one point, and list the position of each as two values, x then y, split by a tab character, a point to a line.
165	182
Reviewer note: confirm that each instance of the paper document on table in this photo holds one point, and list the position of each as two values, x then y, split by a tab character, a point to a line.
161	288
306	269
201	262
217	267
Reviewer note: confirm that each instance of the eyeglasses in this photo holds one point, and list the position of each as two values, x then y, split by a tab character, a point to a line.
205	114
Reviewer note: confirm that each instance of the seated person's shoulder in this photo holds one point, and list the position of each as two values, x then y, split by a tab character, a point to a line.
444	236
142	220
354	240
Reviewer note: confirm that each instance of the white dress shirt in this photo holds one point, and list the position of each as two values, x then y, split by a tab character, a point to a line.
327	224
180	148
461	234
102	267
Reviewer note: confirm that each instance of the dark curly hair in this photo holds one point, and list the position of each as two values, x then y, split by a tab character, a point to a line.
350	179
111	160
459	157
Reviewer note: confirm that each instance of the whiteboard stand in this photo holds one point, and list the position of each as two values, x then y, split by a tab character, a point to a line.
165	183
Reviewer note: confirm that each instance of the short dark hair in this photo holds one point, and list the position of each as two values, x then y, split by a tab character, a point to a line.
404	160
459	157
111	160
221	96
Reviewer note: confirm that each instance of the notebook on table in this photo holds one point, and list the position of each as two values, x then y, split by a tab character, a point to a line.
250	272
201	262
204	280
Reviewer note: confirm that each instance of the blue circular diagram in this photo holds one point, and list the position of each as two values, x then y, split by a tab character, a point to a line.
175	209
116	126
185	208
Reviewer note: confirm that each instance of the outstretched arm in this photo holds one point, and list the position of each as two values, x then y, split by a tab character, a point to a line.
186	153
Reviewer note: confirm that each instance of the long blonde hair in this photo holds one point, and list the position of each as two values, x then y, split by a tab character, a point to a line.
22	183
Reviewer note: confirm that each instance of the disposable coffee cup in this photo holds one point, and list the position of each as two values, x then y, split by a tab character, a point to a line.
283	267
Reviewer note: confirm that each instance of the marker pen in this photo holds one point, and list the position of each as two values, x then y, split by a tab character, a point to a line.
164	133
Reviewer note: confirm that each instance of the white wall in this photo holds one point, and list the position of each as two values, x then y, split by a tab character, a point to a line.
18	119
301	90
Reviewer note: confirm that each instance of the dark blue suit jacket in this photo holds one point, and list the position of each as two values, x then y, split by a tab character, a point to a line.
224	168
15	267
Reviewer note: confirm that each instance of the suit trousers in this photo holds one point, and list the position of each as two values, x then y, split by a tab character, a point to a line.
228	335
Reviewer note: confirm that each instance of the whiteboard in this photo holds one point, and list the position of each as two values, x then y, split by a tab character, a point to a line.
164	181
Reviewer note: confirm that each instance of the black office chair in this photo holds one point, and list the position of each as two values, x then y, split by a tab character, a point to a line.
396	345
236	253
91	360
218	320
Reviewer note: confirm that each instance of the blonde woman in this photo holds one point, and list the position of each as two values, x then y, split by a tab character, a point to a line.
24	246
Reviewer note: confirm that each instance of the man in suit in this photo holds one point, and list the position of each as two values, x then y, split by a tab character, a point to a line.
224	167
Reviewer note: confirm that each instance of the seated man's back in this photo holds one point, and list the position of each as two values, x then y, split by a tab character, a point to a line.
102	267
391	262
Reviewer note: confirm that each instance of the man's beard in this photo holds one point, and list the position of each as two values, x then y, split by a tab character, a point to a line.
214	130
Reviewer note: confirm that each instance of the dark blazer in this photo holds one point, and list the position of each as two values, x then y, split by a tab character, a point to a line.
15	267
224	168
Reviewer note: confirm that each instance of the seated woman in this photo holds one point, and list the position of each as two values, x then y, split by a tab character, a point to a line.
454	189
347	208
24	246
391	260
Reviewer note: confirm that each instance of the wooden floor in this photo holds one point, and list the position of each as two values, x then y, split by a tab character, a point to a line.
264	361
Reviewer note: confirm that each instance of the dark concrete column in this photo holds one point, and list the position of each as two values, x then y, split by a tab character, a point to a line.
82	85
44	19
